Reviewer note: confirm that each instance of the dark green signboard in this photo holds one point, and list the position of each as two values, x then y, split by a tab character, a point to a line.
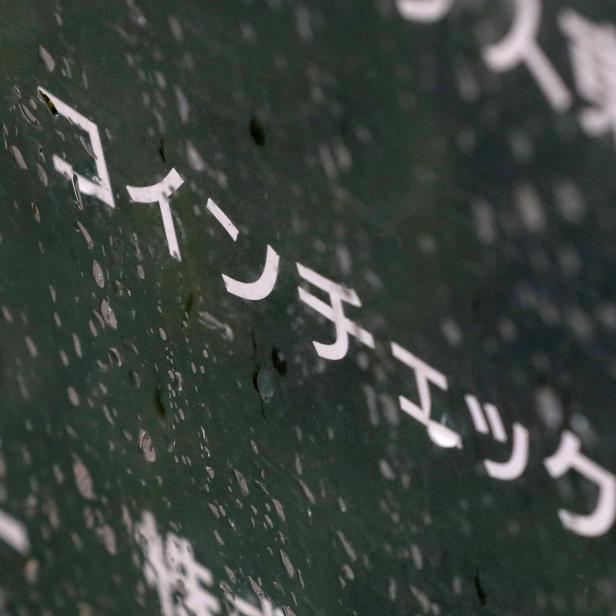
308	308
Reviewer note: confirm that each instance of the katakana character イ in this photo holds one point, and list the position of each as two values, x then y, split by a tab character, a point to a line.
180	580
593	54
569	456
334	312
425	374
160	193
100	185
520	46
243	608
264	285
516	465
423	10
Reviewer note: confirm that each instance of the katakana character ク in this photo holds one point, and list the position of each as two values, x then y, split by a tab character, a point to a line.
425	375
334	312
520	46
160	193
100	185
516	465
243	608
593	54
423	10
180	580
264	285
567	457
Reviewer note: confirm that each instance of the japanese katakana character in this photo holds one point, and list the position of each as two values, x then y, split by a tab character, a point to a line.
593	54
333	311
520	45
516	465
423	10
100	185
160	193
243	608
180	580
261	288
567	457
439	434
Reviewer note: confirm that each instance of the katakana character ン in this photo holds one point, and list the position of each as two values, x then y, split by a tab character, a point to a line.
334	312
423	10
425	375
569	456
243	608
516	465
593	55
264	285
520	46
160	193
180	580
98	186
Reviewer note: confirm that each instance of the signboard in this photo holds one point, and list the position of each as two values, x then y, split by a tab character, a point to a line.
308	308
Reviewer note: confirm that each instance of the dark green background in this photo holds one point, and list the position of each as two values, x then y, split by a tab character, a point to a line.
397	224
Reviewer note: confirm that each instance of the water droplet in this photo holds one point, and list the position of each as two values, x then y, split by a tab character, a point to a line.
147	446
263	384
99	275
108	314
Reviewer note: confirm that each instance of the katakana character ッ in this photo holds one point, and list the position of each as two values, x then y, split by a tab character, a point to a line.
160	193
516	465
180	580
423	10
243	608
520	46
425	374
264	285
593	54
568	456
98	186
334	312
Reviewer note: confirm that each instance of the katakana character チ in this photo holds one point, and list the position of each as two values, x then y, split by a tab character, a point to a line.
593	54
423	10
264	285
334	312
98	186
180	580
160	193
520	46
243	608
567	457
425	374
516	465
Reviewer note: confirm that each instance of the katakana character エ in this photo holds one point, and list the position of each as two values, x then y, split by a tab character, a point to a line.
98	186
160	193
423	10
264	285
593	54
425	375
334	312
180	580
520	46
516	465
569	456
243	608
